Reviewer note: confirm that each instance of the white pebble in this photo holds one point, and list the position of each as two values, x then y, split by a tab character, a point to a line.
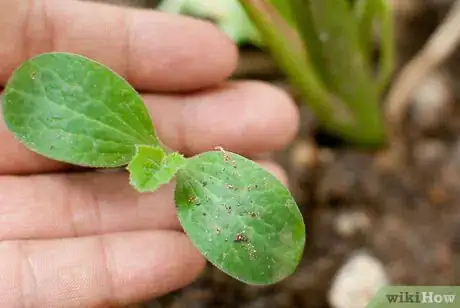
431	101
357	281
349	223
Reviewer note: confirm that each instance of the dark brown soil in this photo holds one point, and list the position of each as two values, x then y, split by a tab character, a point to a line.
410	201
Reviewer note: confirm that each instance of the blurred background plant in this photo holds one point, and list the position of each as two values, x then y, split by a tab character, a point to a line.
325	47
229	15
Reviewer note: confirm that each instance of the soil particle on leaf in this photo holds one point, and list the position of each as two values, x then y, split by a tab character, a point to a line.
194	200
252	187
226	157
233	187
252	253
241	237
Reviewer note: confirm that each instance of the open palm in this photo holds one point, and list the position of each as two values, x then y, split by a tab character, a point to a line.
78	238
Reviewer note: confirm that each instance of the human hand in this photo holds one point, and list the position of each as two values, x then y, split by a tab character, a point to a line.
87	239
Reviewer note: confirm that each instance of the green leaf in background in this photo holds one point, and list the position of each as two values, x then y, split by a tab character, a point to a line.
287	48
330	27
320	45
240	217
73	109
284	8
364	13
228	15
151	167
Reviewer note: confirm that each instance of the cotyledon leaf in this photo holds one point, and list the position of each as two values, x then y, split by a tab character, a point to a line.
151	167
240	217
72	109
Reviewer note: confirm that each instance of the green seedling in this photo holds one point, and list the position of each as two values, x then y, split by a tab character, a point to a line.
72	109
325	47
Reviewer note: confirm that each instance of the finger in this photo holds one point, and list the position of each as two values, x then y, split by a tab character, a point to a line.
80	204
75	205
152	50
275	170
101	271
243	117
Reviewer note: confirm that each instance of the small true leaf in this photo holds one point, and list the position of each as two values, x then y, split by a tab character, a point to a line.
73	109
240	217
151	167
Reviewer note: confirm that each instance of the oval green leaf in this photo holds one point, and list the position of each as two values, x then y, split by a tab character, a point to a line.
240	217
73	109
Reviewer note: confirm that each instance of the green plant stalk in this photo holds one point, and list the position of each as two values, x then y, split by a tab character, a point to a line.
364	12
294	65
387	46
366	127
337	39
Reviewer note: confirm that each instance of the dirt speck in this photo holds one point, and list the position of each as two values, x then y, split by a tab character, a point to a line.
252	253
226	157
194	200
241	237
